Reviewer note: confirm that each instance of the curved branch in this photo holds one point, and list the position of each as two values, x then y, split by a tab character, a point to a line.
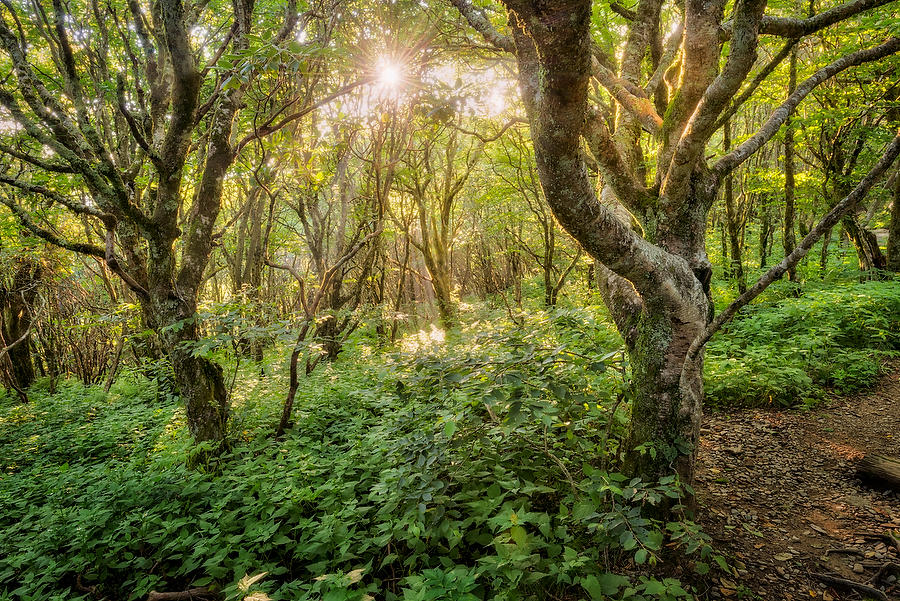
673	45
92	250
740	154
554	72
268	127
795	28
75	207
758	79
828	221
480	23
37	162
632	98
625	13
616	173
48	236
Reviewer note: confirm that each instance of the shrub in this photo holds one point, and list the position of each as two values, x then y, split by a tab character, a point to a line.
786	353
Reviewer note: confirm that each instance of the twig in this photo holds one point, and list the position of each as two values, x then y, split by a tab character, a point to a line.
857	586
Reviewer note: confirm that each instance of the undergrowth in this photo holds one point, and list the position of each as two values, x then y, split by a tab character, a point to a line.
481	470
791	350
478	467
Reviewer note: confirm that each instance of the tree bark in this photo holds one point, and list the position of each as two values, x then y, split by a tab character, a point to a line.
16	314
868	253
893	243
881	468
789	239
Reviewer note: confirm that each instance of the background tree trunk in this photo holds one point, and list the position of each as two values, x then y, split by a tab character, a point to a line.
17	301
789	239
893	242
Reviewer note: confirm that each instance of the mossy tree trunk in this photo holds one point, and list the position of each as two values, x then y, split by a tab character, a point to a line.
655	278
893	242
17	312
159	232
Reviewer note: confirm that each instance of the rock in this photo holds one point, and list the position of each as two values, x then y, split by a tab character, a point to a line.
858	568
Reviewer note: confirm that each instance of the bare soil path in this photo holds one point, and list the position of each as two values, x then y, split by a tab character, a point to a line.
780	495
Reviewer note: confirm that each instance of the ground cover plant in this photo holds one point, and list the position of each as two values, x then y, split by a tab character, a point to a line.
483	466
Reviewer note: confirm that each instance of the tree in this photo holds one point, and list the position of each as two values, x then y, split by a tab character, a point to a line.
655	274
126	117
437	169
18	298
515	169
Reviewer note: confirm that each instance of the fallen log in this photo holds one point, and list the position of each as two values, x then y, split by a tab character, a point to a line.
880	468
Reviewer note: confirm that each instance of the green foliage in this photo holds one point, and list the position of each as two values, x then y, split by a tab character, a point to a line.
789	352
469	470
480	467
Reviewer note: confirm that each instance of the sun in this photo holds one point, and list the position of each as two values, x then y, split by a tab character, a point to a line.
389	74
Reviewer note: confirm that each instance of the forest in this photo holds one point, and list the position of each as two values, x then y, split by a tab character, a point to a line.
466	300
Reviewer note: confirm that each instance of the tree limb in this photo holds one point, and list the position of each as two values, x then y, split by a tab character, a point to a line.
795	28
827	222
75	207
480	23
758	79
37	162
625	13
740	154
632	99
616	173
673	44
268	128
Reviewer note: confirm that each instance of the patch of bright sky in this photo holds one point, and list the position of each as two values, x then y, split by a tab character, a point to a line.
487	91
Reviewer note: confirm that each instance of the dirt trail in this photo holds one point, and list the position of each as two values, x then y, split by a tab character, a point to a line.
781	496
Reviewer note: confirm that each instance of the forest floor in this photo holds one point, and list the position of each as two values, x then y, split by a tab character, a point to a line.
781	496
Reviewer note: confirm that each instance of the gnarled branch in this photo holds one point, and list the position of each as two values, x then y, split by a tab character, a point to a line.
480	23
740	154
827	222
795	28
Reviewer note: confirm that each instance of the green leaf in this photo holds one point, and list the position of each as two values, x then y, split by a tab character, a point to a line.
449	428
654	587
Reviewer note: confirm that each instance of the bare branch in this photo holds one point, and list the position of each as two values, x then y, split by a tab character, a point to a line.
700	126
497	136
268	128
758	79
828	221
